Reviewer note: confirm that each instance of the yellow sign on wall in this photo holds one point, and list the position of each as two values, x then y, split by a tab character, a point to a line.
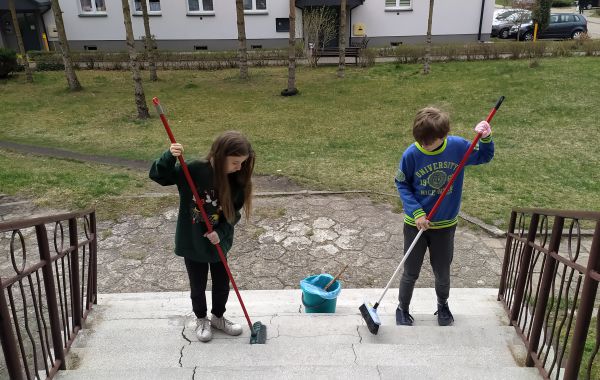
359	29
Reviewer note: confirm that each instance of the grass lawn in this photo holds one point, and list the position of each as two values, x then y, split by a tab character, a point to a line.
338	134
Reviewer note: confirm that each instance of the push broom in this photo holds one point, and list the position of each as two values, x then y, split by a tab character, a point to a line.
368	311
258	331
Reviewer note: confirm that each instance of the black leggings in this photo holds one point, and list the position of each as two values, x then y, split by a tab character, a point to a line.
198	275
441	250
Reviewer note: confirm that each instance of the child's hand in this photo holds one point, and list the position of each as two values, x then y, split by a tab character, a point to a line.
176	149
484	128
422	223
213	237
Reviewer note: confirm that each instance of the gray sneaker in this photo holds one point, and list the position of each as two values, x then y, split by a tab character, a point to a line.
203	330
226	325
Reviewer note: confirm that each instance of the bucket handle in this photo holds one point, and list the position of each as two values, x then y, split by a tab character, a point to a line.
312	306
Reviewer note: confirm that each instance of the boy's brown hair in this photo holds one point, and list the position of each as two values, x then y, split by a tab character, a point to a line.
430	124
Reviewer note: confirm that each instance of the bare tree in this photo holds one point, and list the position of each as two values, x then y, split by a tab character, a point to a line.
427	63
15	21
242	50
140	98
342	42
319	30
63	44
291	86
149	45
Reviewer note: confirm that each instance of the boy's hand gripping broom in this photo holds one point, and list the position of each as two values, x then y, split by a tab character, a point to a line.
368	311
258	331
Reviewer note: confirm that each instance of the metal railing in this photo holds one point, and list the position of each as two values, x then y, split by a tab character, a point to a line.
45	296
549	288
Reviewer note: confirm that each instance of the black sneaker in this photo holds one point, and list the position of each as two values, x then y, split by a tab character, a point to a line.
403	318
444	315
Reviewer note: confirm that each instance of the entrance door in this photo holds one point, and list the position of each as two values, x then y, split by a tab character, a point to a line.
29	29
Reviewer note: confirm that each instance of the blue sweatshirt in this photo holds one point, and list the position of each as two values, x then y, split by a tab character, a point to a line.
422	176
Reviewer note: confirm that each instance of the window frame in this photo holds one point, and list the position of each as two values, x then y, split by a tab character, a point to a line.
199	12
135	12
255	11
94	12
398	7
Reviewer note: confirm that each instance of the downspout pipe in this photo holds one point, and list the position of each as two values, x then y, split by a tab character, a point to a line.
481	20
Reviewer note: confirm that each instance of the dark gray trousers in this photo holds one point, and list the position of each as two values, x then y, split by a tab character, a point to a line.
441	250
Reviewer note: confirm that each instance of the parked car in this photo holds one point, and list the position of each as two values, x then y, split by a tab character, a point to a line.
560	25
501	26
502	13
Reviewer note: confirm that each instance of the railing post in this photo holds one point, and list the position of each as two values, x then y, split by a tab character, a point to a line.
542	301
524	268
511	229
7	338
48	275
585	309
75	281
94	261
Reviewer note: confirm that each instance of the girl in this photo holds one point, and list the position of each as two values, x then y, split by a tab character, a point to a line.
223	179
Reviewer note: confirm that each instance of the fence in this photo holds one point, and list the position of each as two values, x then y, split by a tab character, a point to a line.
550	290
45	298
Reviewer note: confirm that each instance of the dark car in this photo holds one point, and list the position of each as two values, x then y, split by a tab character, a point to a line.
501	25
560	25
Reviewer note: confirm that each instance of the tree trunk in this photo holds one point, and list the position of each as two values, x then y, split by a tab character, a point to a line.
63	44
140	98
242	51
291	86
150	49
15	21
342	43
427	64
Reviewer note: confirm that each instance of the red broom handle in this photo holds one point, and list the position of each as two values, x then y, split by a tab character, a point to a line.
463	161
200	204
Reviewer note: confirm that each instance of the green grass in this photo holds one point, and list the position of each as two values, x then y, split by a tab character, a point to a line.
339	134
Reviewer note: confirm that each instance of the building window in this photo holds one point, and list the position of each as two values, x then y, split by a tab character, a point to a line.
395	5
92	6
200	7
153	7
255	6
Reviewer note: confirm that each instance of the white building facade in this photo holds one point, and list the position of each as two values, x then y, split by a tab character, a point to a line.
187	25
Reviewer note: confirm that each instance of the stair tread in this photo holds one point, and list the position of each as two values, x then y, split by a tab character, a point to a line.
308	372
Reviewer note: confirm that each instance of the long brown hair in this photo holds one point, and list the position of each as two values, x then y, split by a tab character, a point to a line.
232	143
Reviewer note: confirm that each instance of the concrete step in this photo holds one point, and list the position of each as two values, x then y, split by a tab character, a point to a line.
290	328
478	303
297	354
308	372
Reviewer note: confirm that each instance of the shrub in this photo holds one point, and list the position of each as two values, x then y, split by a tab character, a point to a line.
49	66
8	62
366	57
562	3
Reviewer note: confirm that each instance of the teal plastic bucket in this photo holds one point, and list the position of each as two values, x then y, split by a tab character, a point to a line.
314	298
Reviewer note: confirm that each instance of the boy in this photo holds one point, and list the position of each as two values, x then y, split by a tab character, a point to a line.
425	168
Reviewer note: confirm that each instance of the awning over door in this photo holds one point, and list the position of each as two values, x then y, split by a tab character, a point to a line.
27	5
327	3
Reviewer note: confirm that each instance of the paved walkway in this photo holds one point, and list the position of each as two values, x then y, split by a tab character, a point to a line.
292	234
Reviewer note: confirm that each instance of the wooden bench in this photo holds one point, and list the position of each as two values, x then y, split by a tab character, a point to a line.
351	51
